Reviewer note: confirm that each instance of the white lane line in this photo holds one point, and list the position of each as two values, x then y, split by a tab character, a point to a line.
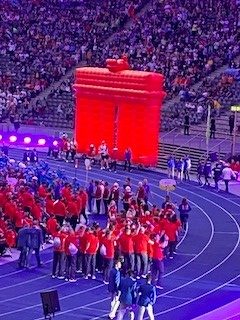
62	298
225	307
33	292
197	298
20	271
226	232
178	298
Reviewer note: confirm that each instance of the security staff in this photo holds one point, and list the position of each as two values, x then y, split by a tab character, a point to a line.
113	286
147	298
128	295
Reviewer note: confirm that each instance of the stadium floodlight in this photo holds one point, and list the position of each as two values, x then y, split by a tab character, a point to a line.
27	140
41	142
12	138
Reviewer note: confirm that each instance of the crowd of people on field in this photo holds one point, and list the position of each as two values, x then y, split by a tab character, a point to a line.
208	169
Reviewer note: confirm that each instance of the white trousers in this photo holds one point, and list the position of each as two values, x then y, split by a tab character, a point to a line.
142	310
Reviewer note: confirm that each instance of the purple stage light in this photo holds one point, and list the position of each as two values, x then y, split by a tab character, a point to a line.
41	142
27	140
12	138
1	137
55	143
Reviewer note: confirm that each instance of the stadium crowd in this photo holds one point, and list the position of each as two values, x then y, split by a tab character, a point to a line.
41	40
184	40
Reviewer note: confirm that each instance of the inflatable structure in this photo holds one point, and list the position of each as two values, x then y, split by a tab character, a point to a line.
120	106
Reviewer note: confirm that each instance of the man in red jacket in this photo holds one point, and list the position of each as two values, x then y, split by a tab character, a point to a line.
92	245
126	249
59	210
141	241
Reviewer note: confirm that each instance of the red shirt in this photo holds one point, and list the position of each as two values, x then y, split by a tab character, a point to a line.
72	238
59	208
82	237
52	225
49	206
10	209
93	242
84	198
141	243
2	199
66	193
72	208
27	199
157	252
109	244
126	243
171	229
62	236
42	191
36	212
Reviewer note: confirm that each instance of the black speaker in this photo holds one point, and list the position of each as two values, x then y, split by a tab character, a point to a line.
50	302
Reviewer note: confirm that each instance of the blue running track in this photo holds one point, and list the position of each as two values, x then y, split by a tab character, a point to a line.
204	275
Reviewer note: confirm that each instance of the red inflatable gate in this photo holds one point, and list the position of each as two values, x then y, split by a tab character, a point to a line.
121	107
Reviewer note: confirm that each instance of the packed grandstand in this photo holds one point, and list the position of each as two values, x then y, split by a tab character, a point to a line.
93	225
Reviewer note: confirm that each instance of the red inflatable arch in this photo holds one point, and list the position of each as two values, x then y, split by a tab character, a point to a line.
119	106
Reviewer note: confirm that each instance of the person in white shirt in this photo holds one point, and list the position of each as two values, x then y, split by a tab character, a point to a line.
103	151
227	175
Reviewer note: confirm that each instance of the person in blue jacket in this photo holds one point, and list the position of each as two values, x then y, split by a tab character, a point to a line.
113	287
207	171
128	295
35	243
22	245
146	299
